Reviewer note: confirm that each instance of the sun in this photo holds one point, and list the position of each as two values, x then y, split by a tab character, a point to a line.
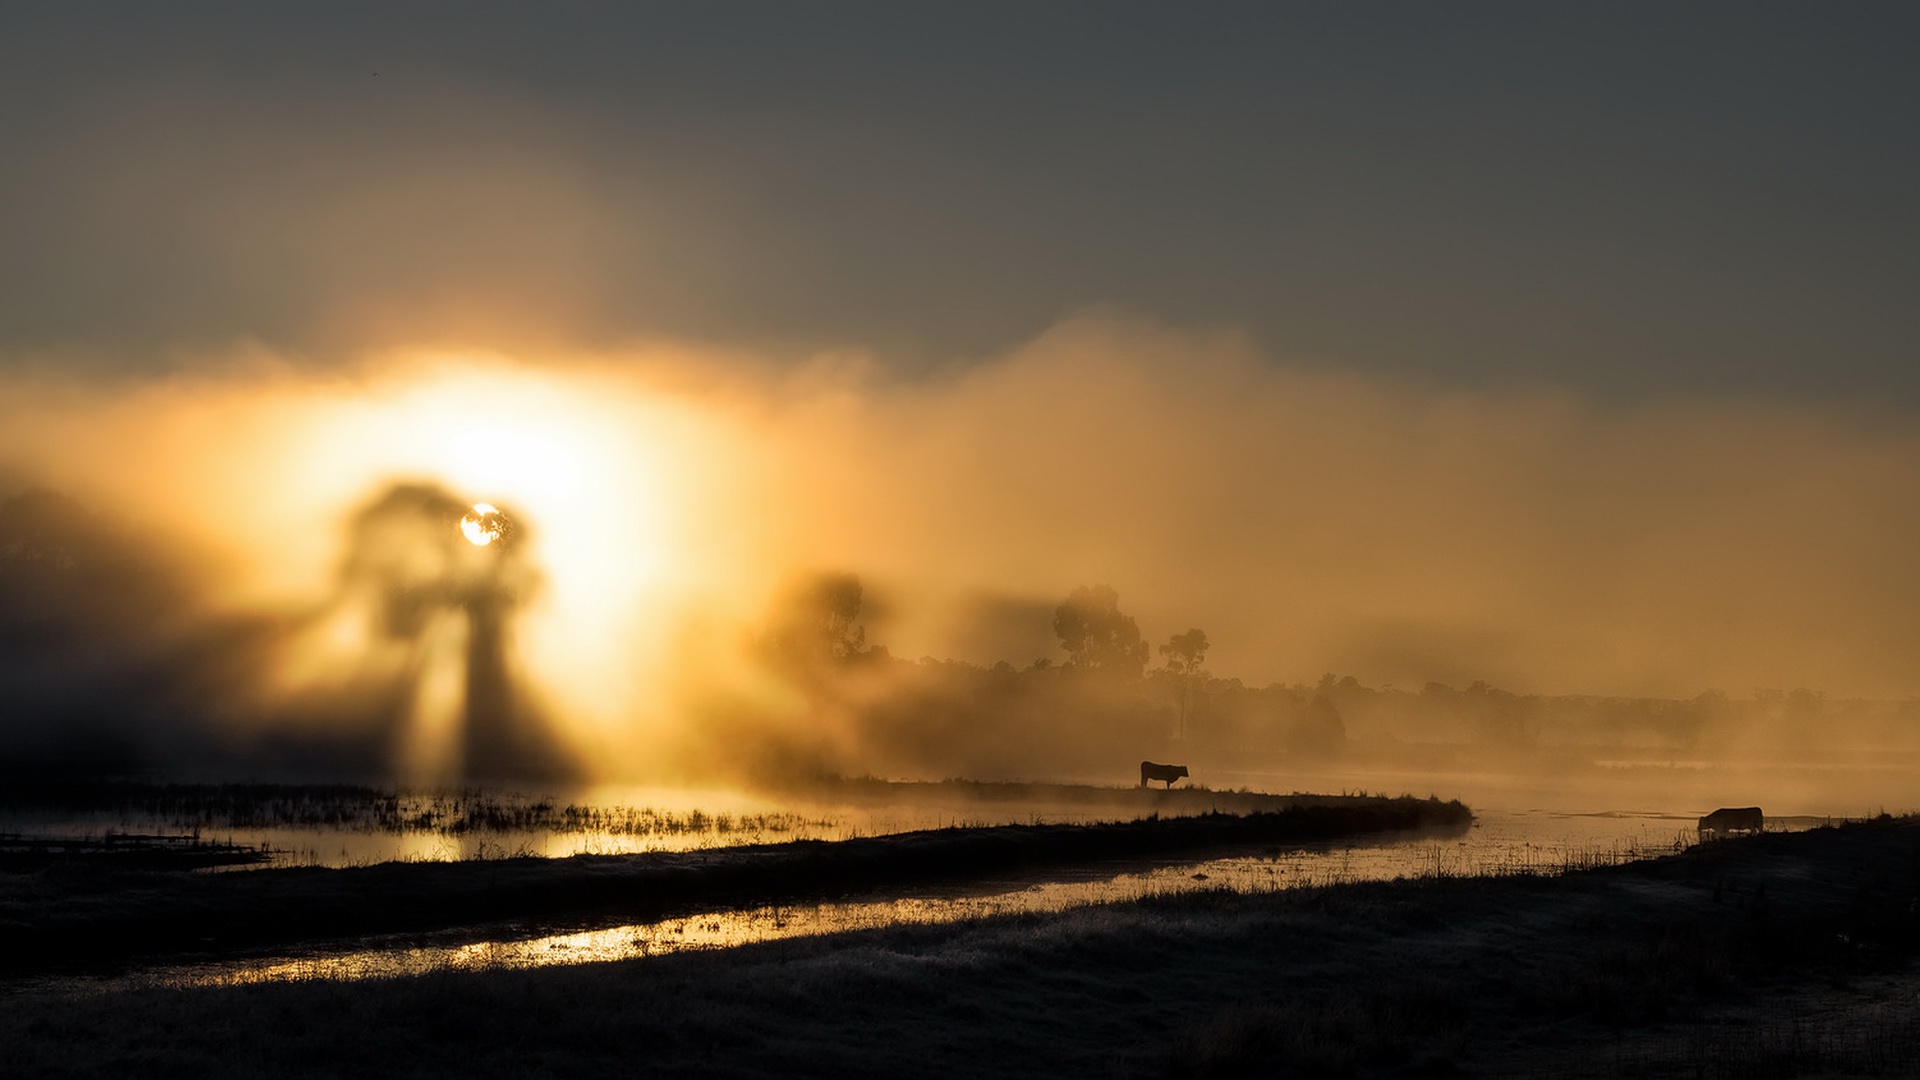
485	524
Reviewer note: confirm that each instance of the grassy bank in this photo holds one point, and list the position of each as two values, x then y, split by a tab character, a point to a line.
1775	955
79	915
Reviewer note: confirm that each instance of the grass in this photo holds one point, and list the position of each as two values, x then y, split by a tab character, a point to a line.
355	808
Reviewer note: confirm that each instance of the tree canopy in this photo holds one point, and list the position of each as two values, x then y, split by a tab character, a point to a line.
818	622
1185	653
1097	635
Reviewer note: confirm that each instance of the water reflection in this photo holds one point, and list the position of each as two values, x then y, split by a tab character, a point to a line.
347	826
1501	842
343	827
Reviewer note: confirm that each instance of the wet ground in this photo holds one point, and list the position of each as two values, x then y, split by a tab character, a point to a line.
1787	954
1498	843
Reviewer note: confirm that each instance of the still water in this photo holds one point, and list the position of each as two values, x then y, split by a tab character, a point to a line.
1621	804
1522	825
1500	841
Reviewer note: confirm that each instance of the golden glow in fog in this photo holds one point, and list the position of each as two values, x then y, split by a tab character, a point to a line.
659	502
610	537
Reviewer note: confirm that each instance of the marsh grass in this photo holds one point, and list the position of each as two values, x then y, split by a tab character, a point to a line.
345	825
351	808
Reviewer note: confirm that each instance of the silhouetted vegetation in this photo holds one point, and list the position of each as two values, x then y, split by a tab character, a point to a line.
1097	635
816	624
413	574
355	808
114	661
1100	709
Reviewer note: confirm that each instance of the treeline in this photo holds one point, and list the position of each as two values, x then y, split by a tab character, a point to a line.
1112	697
1101	707
111	662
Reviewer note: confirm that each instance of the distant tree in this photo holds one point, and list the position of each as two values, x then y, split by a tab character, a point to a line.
1804	704
1184	653
1319	731
1500	717
1096	635
1331	684
818	622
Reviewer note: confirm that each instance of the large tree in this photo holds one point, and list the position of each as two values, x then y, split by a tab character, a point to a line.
1096	635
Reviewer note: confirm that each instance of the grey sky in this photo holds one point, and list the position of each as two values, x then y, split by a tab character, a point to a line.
1633	199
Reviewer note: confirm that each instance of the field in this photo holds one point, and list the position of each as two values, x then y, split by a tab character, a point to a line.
1775	955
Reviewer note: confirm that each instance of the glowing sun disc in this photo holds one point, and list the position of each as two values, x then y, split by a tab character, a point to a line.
484	524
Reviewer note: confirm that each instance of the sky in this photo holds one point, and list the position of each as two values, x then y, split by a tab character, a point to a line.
1564	346
1631	199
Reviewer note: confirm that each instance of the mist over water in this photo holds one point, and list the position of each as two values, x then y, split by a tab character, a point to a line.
738	571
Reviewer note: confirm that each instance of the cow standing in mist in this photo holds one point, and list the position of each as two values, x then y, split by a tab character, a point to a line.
1728	820
1169	773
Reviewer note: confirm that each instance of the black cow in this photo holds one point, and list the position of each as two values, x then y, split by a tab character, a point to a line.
1732	820
1169	773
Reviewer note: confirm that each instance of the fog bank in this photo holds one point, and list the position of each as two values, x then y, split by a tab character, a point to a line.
1309	521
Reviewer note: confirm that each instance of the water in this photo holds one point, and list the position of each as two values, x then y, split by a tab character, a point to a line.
344	827
1522	825
1619	804
1500	842
362	826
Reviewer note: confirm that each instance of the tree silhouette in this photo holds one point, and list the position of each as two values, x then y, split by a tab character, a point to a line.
1184	653
450	602
817	623
1096	635
1320	732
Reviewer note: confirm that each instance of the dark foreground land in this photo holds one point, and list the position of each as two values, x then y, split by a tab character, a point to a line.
1773	955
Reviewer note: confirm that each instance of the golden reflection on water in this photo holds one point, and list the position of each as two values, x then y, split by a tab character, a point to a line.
1499	843
727	929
